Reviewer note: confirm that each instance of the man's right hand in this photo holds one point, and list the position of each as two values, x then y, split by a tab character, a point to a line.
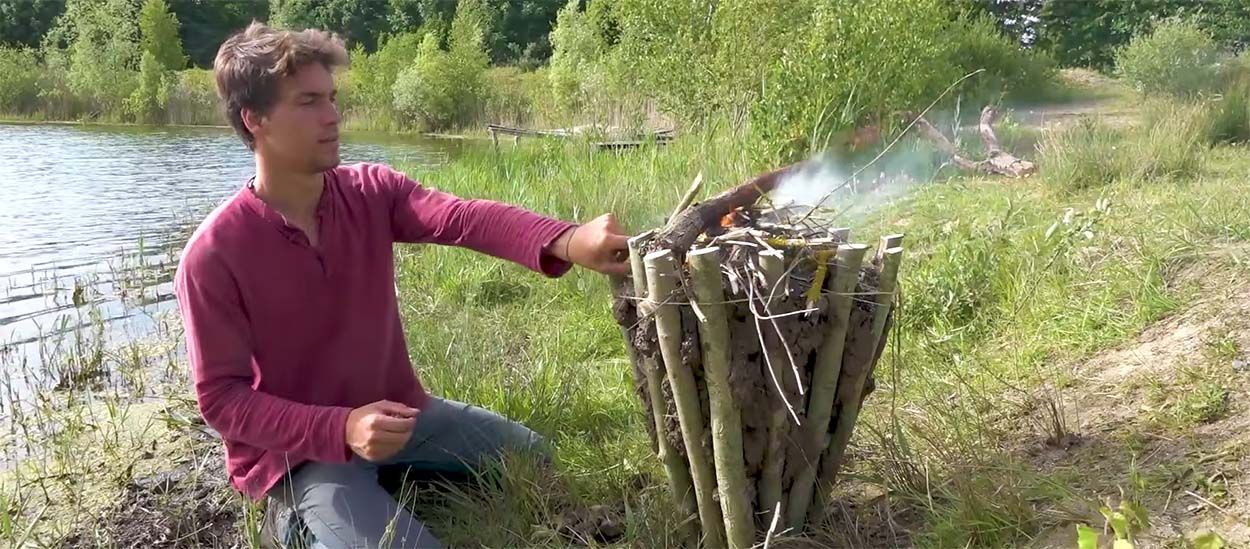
377	431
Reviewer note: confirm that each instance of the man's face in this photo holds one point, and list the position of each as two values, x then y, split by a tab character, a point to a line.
301	130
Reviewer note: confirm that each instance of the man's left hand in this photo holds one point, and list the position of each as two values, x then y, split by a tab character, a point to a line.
598	245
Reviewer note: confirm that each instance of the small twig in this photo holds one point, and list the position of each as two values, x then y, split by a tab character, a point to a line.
688	198
768	538
1212	504
781	391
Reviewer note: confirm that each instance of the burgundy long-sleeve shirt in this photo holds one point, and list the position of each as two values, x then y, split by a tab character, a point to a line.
284	339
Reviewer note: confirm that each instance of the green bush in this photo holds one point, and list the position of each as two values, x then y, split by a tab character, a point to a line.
1170	142
1177	58
367	84
442	89
577	52
147	103
1230	121
1081	156
854	61
19	80
1009	70
425	93
1231	113
193	99
516	97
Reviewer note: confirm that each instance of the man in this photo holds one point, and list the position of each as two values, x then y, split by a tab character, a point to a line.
287	296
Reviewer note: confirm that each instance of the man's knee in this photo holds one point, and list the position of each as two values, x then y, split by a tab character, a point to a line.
343	506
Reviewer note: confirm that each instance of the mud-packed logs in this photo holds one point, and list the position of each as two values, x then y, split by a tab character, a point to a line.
753	346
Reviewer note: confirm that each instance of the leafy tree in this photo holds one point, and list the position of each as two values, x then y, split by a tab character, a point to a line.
158	35
424	92
371	76
853	63
1178	57
205	24
19	79
24	22
147	103
98	44
1087	33
359	22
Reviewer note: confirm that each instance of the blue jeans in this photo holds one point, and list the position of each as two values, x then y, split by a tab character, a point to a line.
342	506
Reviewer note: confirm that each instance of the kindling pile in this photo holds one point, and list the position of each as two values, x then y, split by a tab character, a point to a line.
754	331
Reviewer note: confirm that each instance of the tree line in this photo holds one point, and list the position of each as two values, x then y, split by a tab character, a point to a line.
1075	33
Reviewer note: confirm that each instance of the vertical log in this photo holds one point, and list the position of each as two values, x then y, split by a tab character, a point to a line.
825	382
662	282
852	385
726	420
675	467
772	263
888	241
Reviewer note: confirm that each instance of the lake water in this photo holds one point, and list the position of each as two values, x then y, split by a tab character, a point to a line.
91	217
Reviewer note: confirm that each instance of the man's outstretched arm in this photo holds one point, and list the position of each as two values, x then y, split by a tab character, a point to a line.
540	243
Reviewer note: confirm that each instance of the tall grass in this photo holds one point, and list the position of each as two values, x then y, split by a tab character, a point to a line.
1168	142
1003	284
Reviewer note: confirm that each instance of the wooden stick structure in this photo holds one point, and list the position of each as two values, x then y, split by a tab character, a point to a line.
772	262
675	467
726	421
825	382
859	360
754	340
662	284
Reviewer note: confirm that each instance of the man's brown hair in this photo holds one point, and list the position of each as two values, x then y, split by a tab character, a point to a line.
250	64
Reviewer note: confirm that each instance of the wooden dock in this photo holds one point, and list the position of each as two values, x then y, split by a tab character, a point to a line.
659	137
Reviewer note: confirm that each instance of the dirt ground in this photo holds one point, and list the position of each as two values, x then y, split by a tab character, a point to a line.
1163	420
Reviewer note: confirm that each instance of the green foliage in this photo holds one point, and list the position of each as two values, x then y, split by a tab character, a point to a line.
205	24
367	84
358	22
19	80
703	57
1081	156
147	103
1126	522
577	59
1170	142
1088	33
853	62
101	52
516	97
1008	68
24	22
1176	58
158	35
1086	537
193	99
424	93
1208	540
1231	114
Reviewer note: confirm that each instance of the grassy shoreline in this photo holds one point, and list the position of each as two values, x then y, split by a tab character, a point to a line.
1008	287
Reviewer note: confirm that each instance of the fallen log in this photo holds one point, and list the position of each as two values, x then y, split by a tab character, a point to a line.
998	161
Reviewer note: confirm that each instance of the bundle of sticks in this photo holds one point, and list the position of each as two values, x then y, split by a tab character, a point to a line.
753	333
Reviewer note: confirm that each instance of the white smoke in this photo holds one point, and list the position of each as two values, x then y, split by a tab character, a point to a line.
814	185
845	194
